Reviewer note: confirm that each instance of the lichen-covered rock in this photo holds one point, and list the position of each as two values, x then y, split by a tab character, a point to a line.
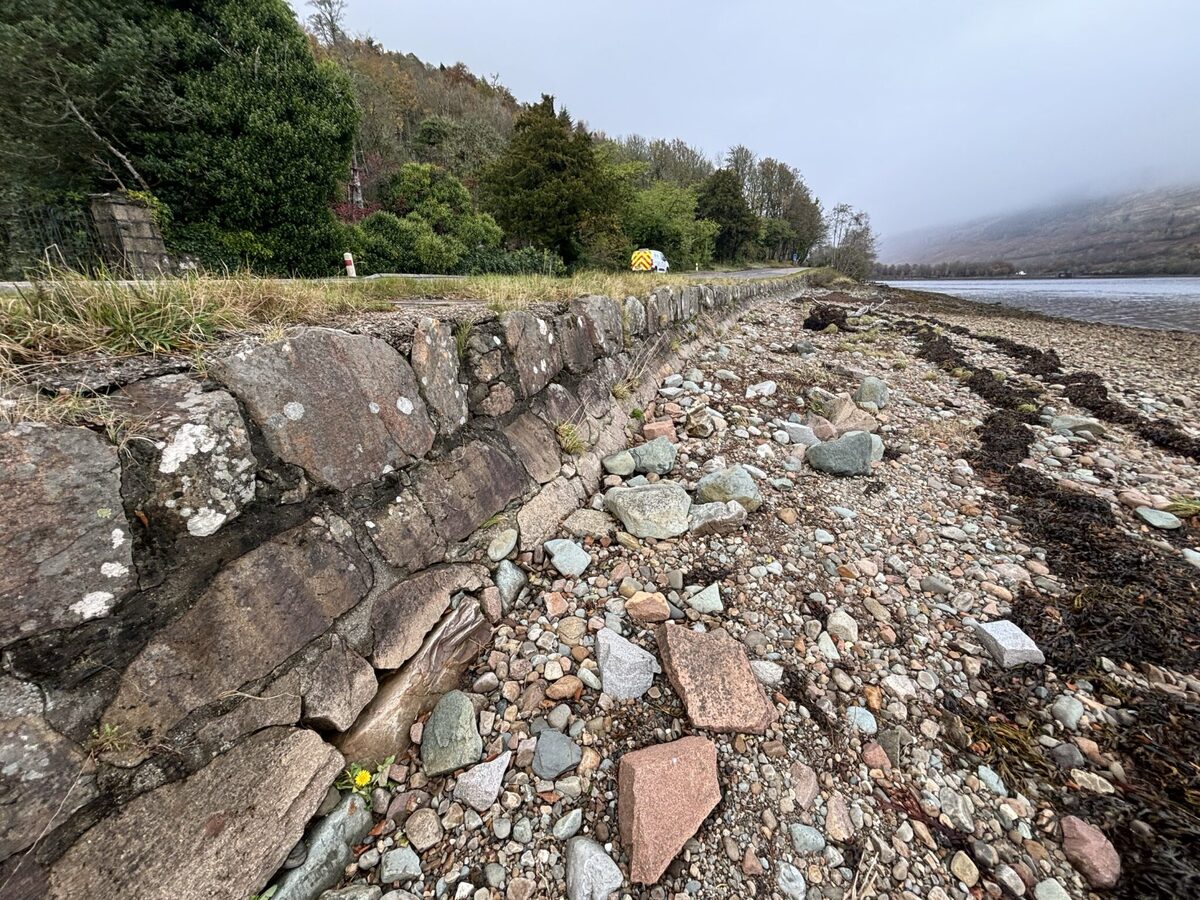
575	342
634	315
602	316
37	766
473	482
450	739
65	548
406	612
254	614
434	358
339	686
657	456
344	407
219	834
383	728
535	353
655	321
873	390
200	473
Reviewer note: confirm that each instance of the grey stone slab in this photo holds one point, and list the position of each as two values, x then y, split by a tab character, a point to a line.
1008	644
65	545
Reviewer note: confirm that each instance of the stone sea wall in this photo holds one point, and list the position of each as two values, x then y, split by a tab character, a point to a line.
279	570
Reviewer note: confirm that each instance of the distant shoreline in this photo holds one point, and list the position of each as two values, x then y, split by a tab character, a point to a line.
1090	277
1110	303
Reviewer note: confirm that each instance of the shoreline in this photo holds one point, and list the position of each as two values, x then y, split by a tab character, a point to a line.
1133	359
1085	309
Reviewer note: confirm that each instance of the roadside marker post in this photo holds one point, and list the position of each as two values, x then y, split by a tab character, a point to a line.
348	262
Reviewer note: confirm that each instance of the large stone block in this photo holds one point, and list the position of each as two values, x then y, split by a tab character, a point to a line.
344	407
200	473
38	771
337	689
535	353
65	548
434	358
574	341
664	793
404	533
383	728
405	613
538	520
218	834
1008	644
536	447
473	482
711	673
602	315
633	313
255	613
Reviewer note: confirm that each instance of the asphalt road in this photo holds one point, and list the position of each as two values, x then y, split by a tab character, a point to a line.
751	274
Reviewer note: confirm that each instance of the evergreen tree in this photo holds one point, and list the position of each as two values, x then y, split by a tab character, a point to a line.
216	106
551	187
721	200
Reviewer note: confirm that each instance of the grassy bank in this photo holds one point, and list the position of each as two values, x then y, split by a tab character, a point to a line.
65	313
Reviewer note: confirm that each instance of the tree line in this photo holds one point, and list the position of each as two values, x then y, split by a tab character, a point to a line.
958	269
265	146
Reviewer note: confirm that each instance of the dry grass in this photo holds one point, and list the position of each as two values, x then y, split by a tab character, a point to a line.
956	434
65	313
569	438
18	403
1185	507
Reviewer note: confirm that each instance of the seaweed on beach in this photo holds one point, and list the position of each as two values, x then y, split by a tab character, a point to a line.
1125	600
1087	389
1006	439
1169	436
1132	601
1034	361
1154	819
1155	823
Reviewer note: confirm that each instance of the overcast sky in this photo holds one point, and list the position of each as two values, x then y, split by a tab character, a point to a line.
922	112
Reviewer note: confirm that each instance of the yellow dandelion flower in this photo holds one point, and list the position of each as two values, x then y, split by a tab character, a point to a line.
362	779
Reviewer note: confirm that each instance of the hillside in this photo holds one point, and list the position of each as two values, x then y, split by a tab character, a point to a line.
1150	232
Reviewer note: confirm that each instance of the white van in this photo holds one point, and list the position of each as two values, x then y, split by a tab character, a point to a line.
649	261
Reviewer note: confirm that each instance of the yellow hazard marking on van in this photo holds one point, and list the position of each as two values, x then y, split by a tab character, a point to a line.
642	261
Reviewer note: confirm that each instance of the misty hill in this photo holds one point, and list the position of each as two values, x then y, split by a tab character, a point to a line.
1150	232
